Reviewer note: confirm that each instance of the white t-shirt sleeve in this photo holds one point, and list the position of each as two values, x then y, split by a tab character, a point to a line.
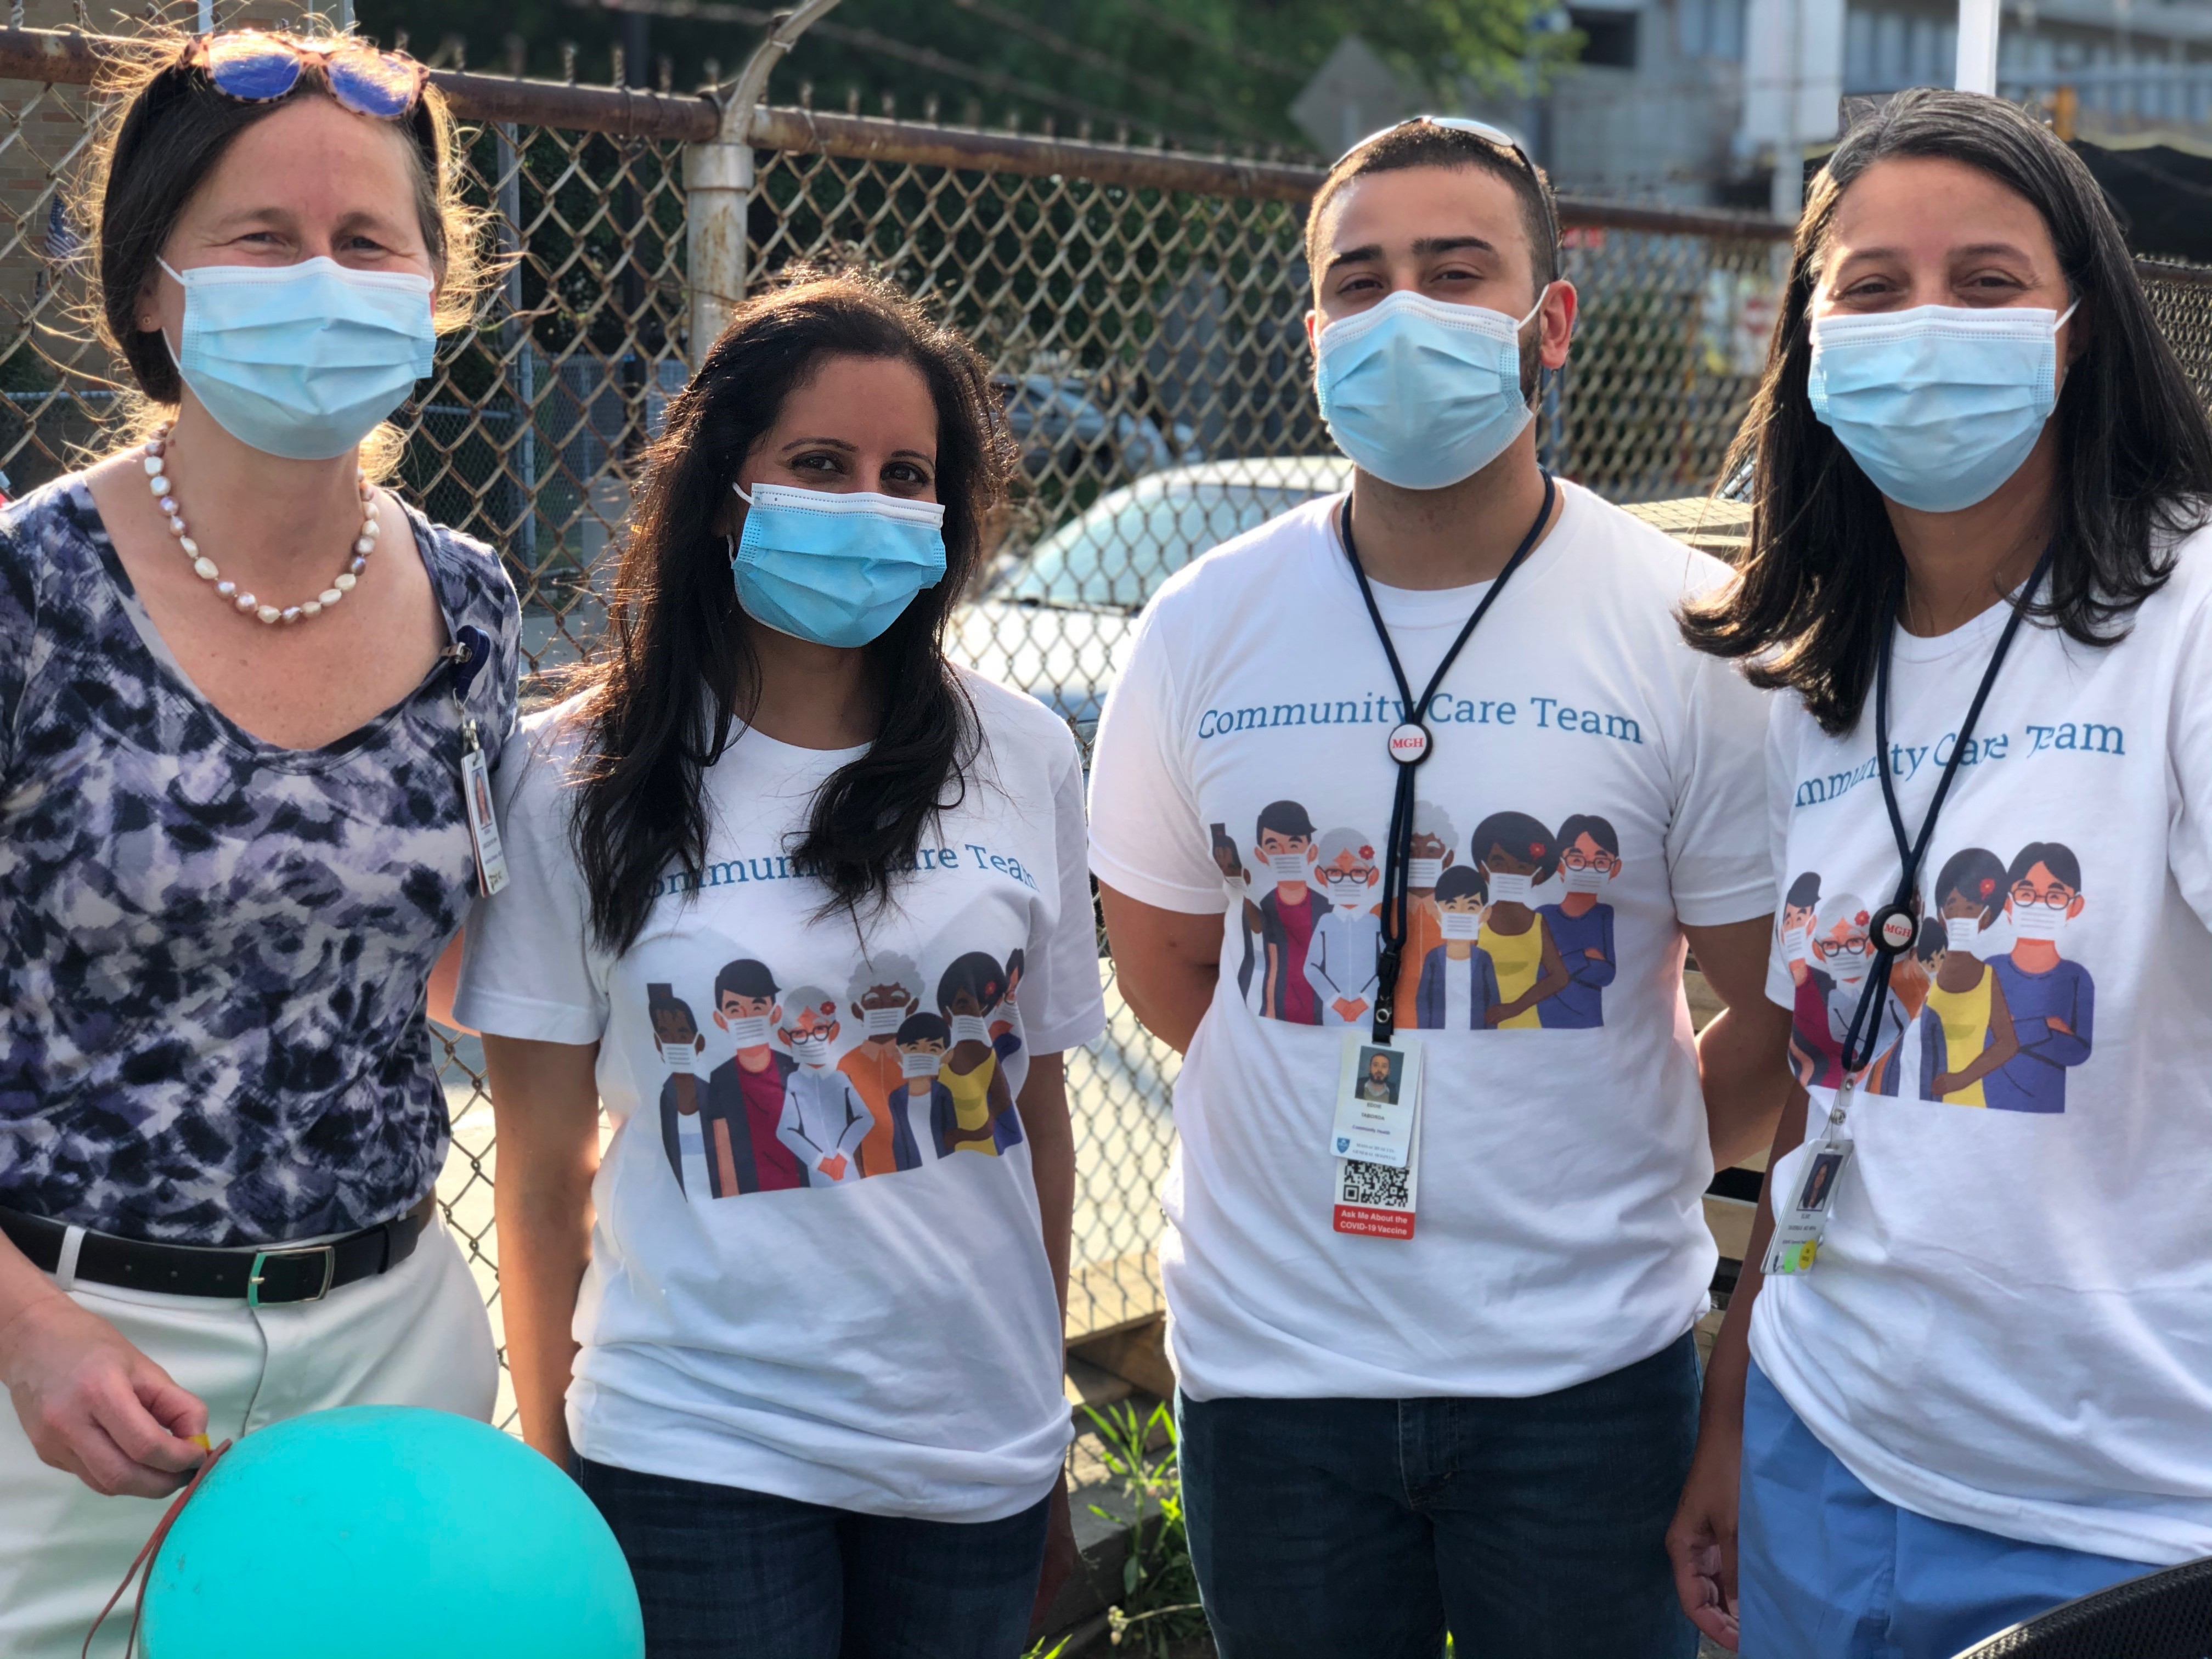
526	969
1781	787
1718	861
2189	832
1062	1005
1147	838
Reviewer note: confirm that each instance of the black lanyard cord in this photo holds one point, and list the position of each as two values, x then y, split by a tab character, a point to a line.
1895	927
1398	845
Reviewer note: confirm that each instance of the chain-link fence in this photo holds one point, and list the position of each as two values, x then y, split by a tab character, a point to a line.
1143	313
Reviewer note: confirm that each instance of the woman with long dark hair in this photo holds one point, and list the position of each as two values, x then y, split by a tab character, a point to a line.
246	695
1967	1372
813	1380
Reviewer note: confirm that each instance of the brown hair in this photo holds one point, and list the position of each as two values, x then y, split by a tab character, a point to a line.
165	128
2134	452
1424	144
674	669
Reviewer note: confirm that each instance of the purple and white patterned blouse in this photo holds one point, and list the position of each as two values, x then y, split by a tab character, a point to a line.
213	950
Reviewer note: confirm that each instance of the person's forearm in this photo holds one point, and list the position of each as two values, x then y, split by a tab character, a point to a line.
1728	1371
1745	1079
544	1245
21	1287
1171	1004
1050	1131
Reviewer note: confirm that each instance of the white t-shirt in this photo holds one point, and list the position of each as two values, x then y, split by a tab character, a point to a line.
1559	1233
2010	1325
812	1275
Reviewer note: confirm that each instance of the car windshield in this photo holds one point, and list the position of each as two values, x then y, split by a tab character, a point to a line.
1115	557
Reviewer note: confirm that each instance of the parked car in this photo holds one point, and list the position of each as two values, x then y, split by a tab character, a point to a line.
1058	422
1054	622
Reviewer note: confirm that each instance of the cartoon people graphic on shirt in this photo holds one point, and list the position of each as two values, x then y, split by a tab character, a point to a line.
1458	987
825	1120
1435	839
1289	912
1796	925
923	1116
1911	977
744	1093
983	1106
879	999
1828	998
2052	998
1966	1029
1243	959
676	1030
1341	959
1580	926
1514	853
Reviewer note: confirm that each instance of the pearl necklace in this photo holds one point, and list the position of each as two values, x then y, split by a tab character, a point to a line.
157	480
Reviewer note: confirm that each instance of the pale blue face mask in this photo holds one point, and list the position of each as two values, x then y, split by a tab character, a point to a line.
1420	393
1940	404
834	569
302	360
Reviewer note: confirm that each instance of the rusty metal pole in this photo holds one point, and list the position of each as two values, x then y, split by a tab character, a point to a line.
718	183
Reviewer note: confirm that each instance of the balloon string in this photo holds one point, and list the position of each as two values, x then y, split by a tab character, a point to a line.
145	1558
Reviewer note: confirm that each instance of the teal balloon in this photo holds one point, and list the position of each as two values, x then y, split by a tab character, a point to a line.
387	1531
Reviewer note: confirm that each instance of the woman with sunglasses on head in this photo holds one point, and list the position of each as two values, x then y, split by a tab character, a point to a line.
242	691
1966	1374
815	1393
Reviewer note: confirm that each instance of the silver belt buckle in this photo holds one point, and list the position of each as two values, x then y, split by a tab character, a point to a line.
328	1252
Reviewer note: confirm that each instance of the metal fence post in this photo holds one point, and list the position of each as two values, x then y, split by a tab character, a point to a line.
718	183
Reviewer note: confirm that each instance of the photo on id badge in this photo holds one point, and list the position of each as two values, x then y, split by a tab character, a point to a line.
1506	929
785	1086
1989	1008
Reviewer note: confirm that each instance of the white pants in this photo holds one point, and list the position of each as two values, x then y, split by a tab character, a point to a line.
415	1336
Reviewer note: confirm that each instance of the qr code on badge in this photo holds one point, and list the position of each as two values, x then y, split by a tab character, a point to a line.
1376	1184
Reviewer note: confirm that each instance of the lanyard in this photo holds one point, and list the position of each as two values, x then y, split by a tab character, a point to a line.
1409	746
1897	924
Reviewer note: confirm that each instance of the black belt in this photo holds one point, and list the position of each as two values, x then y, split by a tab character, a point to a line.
258	1277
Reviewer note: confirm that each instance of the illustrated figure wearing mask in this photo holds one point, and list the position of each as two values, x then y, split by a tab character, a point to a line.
2051	999
1245	921
1263	672
823	1120
883	993
675	1028
1581	924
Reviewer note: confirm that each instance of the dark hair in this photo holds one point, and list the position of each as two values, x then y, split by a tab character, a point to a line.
2135	452
923	1028
743	978
676	668
1459	881
1931	941
2054	856
1285	818
1805	891
1426	144
1599	829
1512	830
1974	873
167	128
978	974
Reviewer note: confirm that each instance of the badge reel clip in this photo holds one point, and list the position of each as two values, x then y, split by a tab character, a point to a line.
469	653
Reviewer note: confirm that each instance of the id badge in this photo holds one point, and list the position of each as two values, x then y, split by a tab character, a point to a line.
1375	1199
484	824
1378	1090
1798	1231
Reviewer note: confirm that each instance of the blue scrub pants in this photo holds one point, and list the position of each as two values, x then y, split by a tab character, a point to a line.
1826	1569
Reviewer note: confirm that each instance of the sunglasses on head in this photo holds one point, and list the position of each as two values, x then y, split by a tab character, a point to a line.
1490	135
259	68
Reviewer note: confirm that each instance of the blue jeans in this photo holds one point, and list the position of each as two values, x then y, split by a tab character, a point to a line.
1364	1529
727	1574
1826	1569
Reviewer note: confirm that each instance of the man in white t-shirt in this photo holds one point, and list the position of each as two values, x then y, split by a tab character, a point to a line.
1462	1394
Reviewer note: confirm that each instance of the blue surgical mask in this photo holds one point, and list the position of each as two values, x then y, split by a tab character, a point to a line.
834	569
1940	404
303	360
1420	393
